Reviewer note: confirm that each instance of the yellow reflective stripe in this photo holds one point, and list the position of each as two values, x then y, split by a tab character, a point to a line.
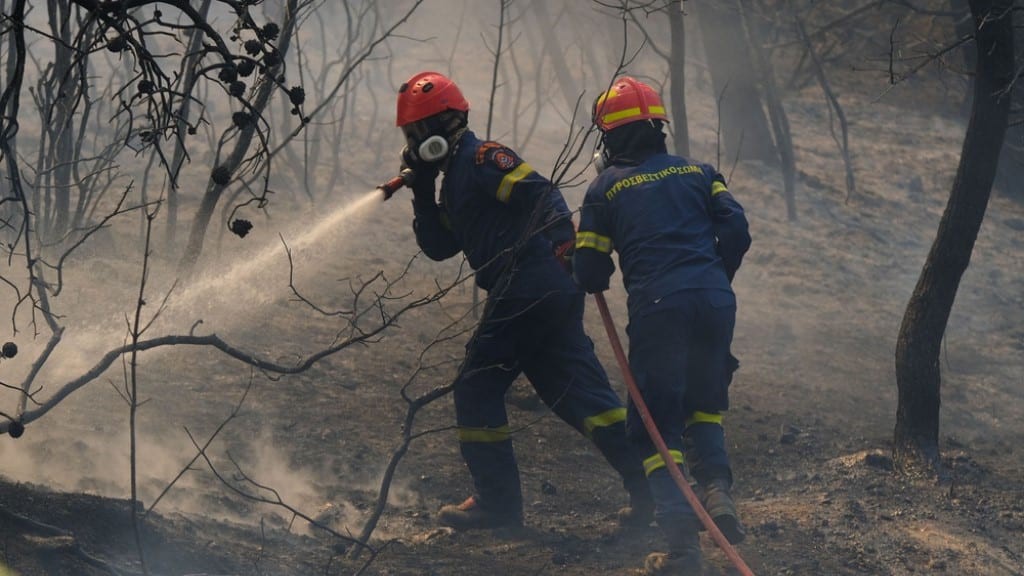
621	114
704	418
499	434
606	418
510	179
654	462
594	240
717	188
630	113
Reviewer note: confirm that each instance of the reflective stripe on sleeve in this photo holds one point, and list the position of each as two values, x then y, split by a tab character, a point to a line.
510	179
654	462
499	434
595	241
606	418
717	188
704	418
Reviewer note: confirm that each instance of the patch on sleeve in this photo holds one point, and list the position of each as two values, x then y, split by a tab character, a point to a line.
500	156
483	149
503	159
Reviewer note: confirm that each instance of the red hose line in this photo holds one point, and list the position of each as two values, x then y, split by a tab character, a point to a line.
659	442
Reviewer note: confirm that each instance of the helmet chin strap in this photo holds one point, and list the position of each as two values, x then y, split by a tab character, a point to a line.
600	160
630	144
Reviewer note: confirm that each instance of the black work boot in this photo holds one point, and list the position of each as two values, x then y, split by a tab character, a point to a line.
684	557
719	505
471	516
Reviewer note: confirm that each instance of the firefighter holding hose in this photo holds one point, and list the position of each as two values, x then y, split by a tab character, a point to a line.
680	237
515	230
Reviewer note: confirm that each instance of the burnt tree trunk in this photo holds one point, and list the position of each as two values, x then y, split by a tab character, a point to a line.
735	82
60	118
916	441
776	112
1011	160
677	70
189	64
569	89
234	159
843	138
963	25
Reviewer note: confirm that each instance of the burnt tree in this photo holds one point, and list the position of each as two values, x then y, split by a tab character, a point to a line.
677	70
776	112
247	127
1011	160
745	129
556	55
190	67
916	446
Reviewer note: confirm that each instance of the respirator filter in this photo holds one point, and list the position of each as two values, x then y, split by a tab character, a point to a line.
433	149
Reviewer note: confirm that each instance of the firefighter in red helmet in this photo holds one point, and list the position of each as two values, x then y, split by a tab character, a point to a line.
680	237
515	229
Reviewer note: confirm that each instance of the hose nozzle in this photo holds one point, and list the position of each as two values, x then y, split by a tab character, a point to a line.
393	185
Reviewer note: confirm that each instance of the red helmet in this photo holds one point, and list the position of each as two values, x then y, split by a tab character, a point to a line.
628	100
427	94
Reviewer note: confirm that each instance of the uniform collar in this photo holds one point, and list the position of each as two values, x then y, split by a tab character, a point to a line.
454	144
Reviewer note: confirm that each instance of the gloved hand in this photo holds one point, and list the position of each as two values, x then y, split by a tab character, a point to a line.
564	252
424	175
425	172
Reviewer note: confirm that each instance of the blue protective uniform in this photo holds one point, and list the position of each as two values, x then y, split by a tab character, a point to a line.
680	236
488	197
490	201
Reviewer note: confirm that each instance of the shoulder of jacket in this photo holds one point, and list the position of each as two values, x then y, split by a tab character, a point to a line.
708	169
600	186
496	155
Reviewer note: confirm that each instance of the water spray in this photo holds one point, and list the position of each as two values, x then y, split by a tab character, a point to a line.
404	178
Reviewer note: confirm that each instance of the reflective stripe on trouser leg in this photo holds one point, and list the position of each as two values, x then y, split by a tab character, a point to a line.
603	420
565	372
470	434
657	357
483	431
671	506
703	418
706	455
652	463
486	445
610	438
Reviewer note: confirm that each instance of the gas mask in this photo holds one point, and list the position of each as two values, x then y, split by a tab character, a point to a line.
433	149
426	138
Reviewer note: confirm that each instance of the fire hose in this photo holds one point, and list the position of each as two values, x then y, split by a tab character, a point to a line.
389	188
659	442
